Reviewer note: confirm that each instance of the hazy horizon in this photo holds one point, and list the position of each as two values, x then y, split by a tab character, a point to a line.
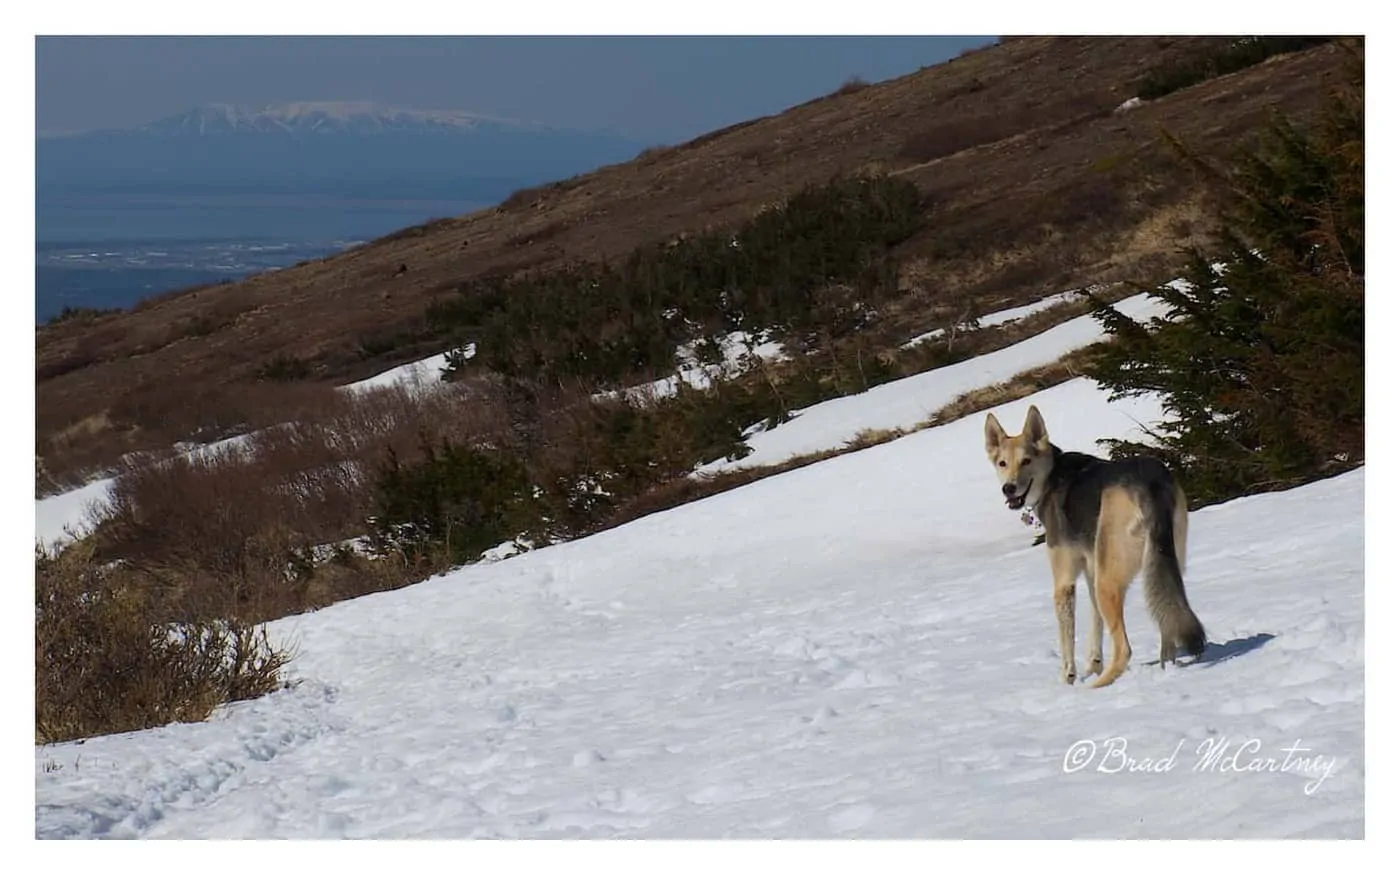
652	89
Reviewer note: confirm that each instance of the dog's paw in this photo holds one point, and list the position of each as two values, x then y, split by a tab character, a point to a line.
1094	667
1068	674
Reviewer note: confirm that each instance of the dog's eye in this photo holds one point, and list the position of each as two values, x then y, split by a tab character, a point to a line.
1002	463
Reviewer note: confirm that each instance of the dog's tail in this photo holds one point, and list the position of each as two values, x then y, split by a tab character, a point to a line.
1162	566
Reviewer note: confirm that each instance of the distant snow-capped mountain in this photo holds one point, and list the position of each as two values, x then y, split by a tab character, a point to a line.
327	117
347	147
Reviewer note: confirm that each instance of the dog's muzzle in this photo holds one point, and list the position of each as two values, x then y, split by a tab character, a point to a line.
1014	501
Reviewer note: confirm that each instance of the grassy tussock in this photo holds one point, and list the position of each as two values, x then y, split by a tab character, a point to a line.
109	658
237	529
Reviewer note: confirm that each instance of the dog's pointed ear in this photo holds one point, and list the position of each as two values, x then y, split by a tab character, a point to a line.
994	432
1034	430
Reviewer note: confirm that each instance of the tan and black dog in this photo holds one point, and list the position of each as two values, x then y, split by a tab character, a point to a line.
1107	520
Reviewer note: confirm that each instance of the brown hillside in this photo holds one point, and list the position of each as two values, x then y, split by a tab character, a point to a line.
1033	183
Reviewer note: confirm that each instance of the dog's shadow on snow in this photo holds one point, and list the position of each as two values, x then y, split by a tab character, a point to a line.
1216	653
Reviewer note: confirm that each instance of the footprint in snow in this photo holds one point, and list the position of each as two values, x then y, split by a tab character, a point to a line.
861	679
585	758
819	720
851	818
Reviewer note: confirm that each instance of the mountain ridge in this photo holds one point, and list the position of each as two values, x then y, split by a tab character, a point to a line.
316	117
321	117
356	148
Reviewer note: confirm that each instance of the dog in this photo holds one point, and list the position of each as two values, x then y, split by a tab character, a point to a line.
1106	520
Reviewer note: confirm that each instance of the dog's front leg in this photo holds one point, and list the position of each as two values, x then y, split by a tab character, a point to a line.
1095	630
1065	569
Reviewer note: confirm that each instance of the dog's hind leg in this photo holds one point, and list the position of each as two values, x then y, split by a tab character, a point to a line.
1118	549
1064	567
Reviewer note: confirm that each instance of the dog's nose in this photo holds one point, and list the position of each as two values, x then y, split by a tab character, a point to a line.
1008	489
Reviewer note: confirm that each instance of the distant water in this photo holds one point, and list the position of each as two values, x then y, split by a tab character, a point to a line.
112	250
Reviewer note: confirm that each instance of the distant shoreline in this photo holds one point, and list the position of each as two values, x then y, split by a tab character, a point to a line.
106	250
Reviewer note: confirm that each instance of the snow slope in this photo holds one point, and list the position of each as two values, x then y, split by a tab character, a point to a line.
1001	317
414	375
906	403
864	647
423	371
58	517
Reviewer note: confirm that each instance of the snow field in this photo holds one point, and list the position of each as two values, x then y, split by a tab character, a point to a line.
864	647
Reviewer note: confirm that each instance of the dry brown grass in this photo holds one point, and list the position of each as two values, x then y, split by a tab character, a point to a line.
949	136
152	419
235	530
870	437
146	424
109	657
1165	231
86	427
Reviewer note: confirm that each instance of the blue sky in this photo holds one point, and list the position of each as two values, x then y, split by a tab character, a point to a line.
651	89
